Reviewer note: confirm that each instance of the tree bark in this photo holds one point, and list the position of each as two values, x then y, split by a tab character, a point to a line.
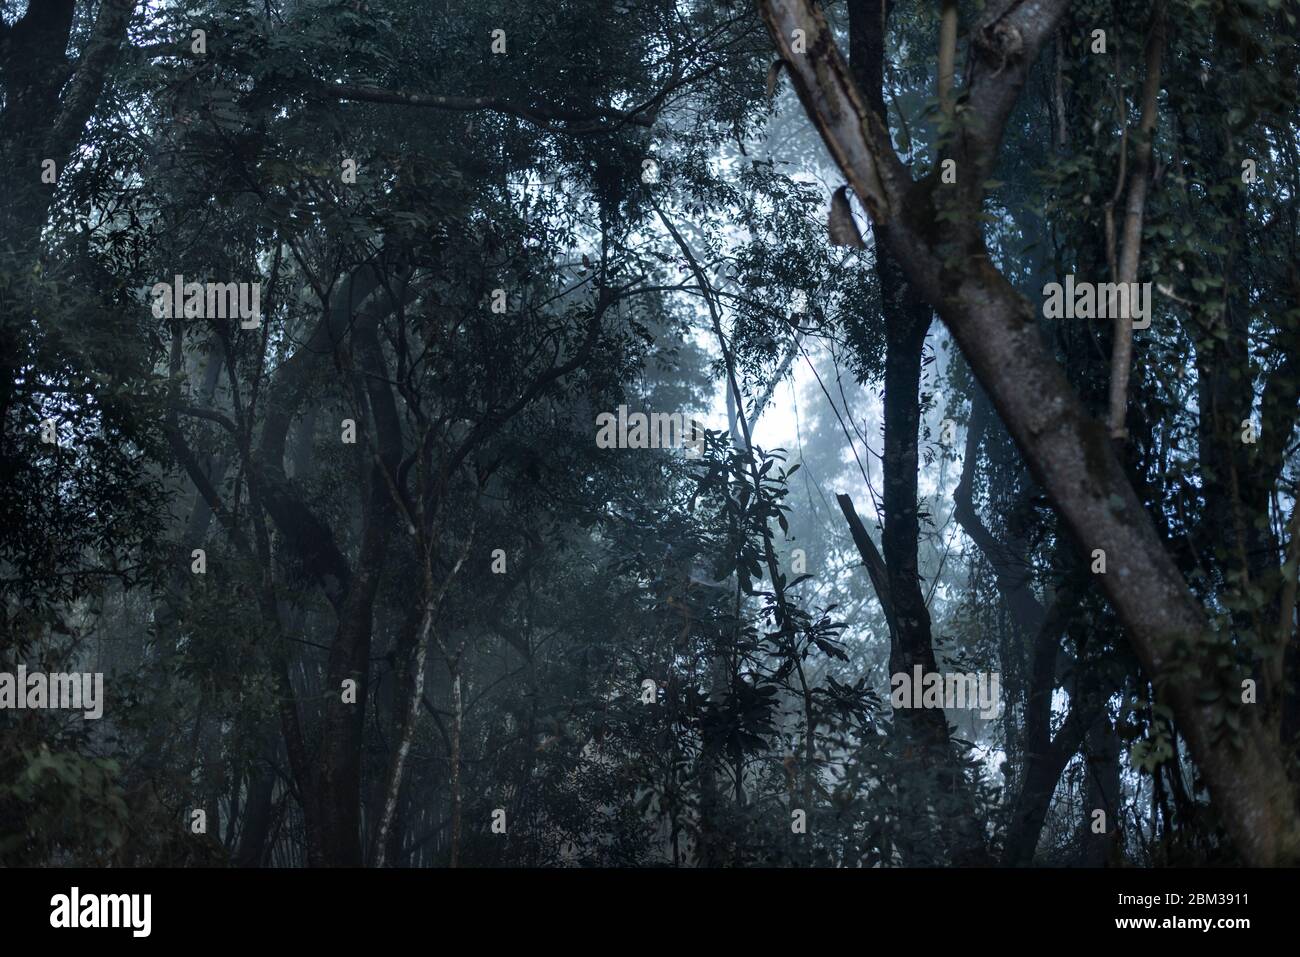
938	239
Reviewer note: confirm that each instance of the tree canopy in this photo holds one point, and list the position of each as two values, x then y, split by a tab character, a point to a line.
650	432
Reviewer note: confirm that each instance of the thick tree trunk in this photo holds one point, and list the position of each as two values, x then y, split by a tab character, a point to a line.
339	787
256	833
905	332
1071	456
935	232
1041	775
907	320
1102	753
47	104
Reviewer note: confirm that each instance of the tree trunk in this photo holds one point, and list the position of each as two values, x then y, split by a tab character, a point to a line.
935	232
457	729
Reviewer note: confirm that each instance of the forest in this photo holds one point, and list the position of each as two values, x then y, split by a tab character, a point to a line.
649	433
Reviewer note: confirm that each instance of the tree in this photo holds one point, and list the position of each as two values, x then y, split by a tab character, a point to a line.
936	231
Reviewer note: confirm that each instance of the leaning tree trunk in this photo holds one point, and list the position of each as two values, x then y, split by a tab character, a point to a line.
936	233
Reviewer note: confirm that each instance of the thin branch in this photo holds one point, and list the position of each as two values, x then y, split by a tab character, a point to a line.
212	415
947	55
596	120
1121	357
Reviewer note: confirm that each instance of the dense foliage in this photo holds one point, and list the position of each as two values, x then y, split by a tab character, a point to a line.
366	588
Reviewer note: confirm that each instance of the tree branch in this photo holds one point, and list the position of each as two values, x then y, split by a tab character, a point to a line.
1121	357
596	120
88	82
871	558
1067	450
